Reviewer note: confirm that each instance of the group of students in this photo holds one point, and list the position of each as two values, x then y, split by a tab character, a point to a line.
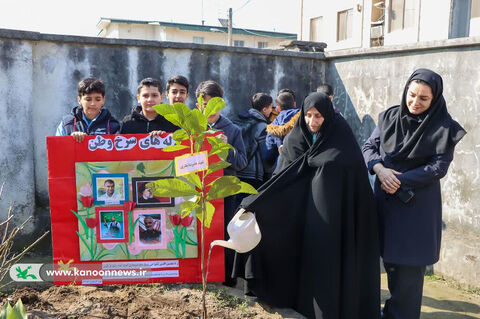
323	227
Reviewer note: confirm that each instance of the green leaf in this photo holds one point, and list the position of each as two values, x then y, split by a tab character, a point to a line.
141	168
187	207
227	186
199	141
223	154
214	105
6	310
209	212
218	146
172	187
197	121
180	135
174	148
217	166
183	112
82	221
200	101
194	179
169	113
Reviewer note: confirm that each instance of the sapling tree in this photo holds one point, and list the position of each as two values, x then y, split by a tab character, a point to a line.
194	136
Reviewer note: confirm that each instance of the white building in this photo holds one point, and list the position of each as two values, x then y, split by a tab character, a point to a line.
346	24
180	32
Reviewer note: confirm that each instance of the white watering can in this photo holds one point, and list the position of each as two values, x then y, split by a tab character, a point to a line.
243	231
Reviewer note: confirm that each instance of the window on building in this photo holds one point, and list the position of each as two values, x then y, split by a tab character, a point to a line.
402	14
198	40
238	43
344	24
262	44
475	11
316	29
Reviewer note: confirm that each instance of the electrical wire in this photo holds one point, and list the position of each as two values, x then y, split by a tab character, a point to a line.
243	5
263	35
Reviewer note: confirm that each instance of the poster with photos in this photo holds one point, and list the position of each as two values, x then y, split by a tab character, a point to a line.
148	230
119	233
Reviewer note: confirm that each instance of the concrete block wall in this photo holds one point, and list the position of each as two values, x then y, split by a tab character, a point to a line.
39	74
38	85
369	81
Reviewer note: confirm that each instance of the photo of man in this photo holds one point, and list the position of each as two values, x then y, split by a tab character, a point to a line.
110	196
149	229
143	195
111	225
110	188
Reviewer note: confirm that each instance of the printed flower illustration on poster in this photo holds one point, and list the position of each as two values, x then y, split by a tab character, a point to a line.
120	218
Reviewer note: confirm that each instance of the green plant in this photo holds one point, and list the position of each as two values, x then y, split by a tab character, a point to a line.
16	312
193	135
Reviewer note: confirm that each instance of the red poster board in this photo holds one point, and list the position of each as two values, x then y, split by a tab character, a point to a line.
63	153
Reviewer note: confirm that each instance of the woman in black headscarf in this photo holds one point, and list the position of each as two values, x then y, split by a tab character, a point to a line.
410	152
319	250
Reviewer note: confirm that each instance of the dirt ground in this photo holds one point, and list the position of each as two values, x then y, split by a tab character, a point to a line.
136	301
442	299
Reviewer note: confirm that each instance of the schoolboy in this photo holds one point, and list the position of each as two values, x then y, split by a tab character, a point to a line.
238	160
280	127
144	118
254	124
89	118
177	89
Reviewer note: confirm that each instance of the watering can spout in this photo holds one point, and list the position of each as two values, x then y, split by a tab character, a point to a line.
243	231
223	243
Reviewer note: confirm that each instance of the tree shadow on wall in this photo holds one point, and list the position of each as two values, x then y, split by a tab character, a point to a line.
362	128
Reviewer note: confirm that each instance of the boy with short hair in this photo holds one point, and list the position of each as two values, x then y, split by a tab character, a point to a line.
89	118
282	124
254	124
144	118
177	89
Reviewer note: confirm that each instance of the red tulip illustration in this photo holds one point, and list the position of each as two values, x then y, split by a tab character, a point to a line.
91	222
87	201
175	219
187	221
129	206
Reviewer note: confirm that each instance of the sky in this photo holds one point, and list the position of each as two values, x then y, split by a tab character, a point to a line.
80	17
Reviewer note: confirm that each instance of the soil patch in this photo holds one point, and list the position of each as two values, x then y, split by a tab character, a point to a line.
136	301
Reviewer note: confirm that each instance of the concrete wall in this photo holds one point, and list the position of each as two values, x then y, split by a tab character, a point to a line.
368	81
39	74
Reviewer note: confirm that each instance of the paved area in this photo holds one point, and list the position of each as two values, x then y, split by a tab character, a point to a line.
441	300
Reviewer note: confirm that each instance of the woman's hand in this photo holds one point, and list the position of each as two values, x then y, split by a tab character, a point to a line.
388	178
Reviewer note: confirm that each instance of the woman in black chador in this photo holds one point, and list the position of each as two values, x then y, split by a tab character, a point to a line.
410	152
319	251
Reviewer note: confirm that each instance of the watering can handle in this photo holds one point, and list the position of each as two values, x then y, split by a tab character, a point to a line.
238	214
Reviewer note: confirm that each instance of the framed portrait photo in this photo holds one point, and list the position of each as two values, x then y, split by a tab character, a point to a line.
150	230
143	196
112	224
110	189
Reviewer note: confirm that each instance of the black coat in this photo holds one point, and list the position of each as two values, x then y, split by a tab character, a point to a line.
105	123
319	251
137	123
410	233
420	147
